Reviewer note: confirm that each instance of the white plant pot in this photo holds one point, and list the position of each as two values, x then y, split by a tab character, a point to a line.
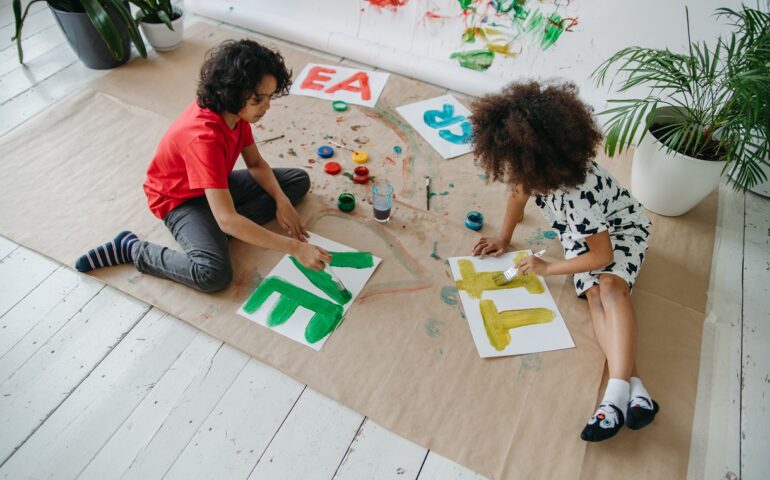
160	37
671	184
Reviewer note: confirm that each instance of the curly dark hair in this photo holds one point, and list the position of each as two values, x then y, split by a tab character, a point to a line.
541	137
232	71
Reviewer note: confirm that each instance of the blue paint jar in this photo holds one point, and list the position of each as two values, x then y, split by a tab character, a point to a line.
474	220
325	151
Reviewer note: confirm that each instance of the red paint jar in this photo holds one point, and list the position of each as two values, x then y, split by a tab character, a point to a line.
361	175
332	168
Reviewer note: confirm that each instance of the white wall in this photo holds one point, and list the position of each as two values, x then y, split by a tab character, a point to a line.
404	41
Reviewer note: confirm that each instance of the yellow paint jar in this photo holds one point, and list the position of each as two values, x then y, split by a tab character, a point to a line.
359	156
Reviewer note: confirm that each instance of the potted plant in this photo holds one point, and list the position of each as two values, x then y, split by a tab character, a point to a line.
99	31
161	22
707	112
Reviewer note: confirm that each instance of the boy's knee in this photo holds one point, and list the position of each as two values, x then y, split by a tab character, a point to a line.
297	185
209	279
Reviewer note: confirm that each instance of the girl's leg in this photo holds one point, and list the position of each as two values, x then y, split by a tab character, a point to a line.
620	326
611	414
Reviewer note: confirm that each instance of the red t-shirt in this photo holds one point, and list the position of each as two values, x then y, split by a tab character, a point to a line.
198	151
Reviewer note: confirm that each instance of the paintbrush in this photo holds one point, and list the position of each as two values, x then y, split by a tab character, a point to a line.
340	286
270	139
505	277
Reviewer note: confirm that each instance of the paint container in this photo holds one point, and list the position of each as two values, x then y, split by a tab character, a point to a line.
339	106
361	175
382	201
325	151
474	220
332	168
359	156
346	202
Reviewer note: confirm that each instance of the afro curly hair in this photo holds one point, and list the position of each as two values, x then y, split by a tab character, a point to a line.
233	70
539	137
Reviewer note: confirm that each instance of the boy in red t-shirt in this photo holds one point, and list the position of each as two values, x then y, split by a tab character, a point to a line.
192	187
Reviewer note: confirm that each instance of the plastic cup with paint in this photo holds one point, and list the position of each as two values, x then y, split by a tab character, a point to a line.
382	201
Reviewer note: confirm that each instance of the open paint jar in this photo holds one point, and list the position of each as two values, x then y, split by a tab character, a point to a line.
361	175
346	202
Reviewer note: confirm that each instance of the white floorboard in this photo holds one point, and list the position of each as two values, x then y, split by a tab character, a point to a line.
378	454
755	395
20	272
6	247
437	467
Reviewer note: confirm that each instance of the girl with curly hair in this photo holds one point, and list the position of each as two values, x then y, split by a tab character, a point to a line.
541	141
192	187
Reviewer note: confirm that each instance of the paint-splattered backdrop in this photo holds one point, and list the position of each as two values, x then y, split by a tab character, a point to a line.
481	44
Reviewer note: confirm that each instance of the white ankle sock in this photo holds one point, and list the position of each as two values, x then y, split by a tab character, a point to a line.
617	393
638	390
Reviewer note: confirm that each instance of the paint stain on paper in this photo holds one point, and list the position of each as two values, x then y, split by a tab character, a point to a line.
327	315
324	282
498	324
475	283
356	260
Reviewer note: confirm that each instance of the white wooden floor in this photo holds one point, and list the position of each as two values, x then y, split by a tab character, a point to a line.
95	384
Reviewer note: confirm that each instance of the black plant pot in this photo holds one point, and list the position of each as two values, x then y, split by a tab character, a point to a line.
86	41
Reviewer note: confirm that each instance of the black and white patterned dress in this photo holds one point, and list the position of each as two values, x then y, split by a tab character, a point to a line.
599	204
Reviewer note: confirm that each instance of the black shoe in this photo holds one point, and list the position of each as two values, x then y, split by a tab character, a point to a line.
599	428
640	417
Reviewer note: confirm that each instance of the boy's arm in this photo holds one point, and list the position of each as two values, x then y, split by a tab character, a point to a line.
234	224
514	212
263	174
599	255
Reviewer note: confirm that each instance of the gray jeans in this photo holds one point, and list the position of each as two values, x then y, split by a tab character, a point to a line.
205	264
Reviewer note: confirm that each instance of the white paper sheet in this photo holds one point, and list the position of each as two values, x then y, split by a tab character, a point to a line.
333	82
524	339
353	279
442	122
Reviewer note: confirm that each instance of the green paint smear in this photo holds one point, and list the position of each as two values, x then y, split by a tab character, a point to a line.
327	315
552	32
324	282
352	259
434	253
479	60
444	193
465	4
449	295
397	149
482	176
432	327
451	185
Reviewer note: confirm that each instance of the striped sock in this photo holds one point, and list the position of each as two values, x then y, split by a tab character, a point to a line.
119	250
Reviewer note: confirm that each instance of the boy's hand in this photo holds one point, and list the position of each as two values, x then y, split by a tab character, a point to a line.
532	265
494	247
311	256
288	219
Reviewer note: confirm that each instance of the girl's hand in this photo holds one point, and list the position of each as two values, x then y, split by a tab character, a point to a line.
494	247
532	265
289	220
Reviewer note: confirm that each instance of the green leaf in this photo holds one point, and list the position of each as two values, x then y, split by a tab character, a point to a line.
103	24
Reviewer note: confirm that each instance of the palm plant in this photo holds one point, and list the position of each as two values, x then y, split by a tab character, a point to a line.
156	11
97	13
721	94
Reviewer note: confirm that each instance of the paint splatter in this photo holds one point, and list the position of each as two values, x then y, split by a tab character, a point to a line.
451	185
539	236
506	28
356	128
361	140
450	295
529	363
397	150
390	4
292	152
434	254
482	176
431	326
